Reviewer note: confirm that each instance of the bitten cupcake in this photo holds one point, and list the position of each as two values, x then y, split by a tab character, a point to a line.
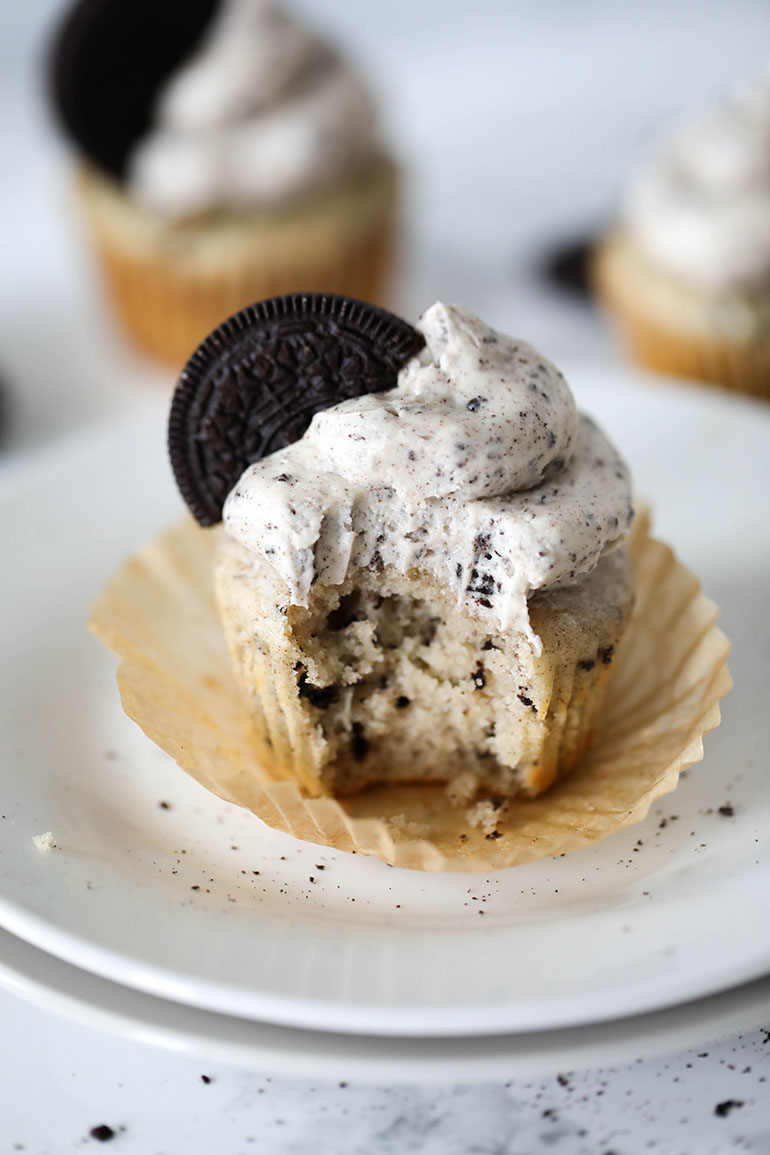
411	621
430	584
686	275
226	154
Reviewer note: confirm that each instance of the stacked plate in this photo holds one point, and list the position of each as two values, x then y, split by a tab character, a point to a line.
164	914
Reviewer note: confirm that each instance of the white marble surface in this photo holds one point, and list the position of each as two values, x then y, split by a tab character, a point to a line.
518	122
703	1102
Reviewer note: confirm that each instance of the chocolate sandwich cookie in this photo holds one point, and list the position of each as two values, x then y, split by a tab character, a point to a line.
567	266
4	409
255	383
109	61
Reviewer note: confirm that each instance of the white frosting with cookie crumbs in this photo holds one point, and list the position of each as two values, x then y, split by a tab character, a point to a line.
700	207
476	469
263	112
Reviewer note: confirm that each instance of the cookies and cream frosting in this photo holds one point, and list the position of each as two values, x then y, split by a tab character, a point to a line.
700	207
263	111
476	469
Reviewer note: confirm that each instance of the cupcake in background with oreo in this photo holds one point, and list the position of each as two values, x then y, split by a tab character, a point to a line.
686	273
225	154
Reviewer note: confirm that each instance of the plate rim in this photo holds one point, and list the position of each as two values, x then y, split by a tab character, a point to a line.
295	1010
66	991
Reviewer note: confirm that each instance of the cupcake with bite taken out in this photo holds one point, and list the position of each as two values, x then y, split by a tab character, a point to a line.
226	153
686	274
411	620
427	583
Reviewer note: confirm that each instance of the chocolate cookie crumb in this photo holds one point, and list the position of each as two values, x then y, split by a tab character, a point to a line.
102	1133
318	696
724	1108
567	266
359	745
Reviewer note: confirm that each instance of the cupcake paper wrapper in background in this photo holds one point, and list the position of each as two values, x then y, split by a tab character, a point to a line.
668	330
172	284
158	615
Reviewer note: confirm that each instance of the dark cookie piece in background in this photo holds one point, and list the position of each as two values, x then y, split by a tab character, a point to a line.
568	266
109	61
255	383
6	405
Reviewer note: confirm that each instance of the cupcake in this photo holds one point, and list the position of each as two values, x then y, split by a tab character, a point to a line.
430	584
411	621
226	154
686	274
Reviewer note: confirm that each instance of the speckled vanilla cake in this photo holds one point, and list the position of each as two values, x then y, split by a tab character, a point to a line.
427	580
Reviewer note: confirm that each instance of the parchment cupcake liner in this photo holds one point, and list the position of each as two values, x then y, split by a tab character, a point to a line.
158	615
171	285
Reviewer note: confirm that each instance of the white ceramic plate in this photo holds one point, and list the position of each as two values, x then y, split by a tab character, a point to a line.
98	1004
167	900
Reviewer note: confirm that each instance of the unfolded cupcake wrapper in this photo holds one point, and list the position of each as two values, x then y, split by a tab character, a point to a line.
158	615
689	353
167	304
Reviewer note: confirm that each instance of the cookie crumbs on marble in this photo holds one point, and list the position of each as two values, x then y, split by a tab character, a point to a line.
102	1133
722	1110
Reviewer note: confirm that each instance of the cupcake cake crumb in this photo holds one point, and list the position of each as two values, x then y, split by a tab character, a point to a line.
44	843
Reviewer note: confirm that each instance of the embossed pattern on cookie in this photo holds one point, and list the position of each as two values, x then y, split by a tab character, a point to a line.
255	383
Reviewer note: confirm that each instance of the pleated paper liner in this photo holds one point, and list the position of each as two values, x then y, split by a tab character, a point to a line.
158	615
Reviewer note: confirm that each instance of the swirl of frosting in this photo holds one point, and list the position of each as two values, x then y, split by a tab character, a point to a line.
700	207
475	469
475	412
263	111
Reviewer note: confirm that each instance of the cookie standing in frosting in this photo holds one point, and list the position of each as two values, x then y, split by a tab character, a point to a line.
109	62
430	584
209	104
225	154
476	469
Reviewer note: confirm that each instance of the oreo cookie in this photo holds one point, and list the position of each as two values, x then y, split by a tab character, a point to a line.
4	409
109	61
255	383
568	266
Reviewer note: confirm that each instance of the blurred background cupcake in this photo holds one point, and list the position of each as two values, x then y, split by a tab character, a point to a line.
686	275
226	154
